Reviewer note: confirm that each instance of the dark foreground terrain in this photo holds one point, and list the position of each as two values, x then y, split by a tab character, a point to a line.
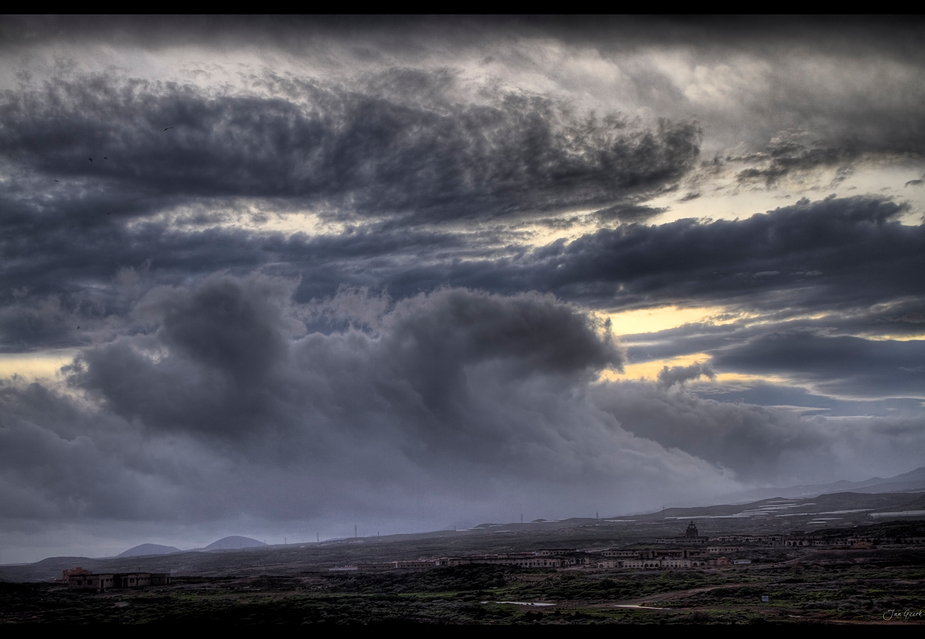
840	587
858	573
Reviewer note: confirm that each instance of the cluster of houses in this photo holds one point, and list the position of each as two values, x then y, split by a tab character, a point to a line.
686	551
539	559
81	579
608	559
799	539
693	553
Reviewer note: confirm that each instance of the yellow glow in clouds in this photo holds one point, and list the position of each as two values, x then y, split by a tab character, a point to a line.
650	320
35	366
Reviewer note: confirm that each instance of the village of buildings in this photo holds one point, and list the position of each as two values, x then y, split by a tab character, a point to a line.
81	579
688	551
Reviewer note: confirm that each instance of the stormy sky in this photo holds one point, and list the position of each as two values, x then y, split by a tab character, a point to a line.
279	277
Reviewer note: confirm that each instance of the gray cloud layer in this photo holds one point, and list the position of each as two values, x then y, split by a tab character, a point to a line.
372	151
301	263
473	394
475	400
836	254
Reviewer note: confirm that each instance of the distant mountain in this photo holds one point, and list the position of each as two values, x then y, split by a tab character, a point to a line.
234	543
913	481
149	549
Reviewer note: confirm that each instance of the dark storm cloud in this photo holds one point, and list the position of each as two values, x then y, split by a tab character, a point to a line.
628	213
837	128
800	93
748	439
443	383
42	320
44	281
846	254
838	365
305	266
790	158
843	35
59	460
370	37
668	377
896	320
469	394
852	83
226	340
545	335
833	253
400	148
404	149
228	371
222	327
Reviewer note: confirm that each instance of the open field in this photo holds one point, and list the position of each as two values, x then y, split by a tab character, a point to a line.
845	587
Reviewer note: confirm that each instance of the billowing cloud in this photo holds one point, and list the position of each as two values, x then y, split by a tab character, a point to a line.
833	253
838	365
668	377
473	394
488	401
761	444
369	151
319	269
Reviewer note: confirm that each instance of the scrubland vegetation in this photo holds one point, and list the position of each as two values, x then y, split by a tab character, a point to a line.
876	587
